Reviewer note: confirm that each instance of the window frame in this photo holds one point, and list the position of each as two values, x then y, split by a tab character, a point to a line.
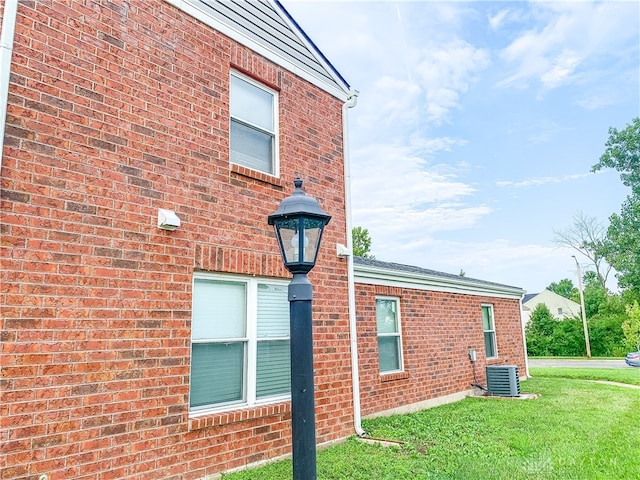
397	334
250	360
275	133
491	331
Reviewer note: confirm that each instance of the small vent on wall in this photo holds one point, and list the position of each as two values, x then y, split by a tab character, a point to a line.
503	381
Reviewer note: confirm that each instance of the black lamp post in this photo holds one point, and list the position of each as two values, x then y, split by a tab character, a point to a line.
299	223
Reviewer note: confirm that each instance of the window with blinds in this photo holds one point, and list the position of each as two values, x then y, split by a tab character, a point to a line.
489	330
253	136
239	342
389	335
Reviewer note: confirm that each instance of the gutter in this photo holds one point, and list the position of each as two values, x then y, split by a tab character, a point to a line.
6	50
353	333
524	343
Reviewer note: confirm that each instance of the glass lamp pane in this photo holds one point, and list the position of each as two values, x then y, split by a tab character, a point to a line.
312	232
388	354
219	310
287	232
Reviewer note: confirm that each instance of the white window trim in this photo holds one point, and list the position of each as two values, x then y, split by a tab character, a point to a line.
251	355
397	334
276	123
493	323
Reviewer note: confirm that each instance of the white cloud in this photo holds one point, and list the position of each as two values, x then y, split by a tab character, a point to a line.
536	181
567	34
447	71
403	199
496	21
530	266
561	71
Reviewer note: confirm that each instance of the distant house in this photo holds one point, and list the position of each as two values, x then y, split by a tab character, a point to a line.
560	307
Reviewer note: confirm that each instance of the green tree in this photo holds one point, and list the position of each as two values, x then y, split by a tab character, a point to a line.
622	153
568	338
564	287
539	331
361	242
595	296
622	246
631	327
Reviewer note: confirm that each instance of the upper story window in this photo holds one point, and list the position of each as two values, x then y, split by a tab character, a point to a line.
239	342
254	139
389	335
489	329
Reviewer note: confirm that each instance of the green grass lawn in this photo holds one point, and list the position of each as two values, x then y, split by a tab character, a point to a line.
623	375
576	429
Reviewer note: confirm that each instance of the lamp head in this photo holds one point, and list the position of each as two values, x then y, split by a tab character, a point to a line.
299	222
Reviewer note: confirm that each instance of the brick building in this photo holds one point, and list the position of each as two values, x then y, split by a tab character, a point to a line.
417	327
116	110
132	351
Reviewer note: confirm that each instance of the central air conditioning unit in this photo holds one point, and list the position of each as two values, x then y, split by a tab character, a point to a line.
503	380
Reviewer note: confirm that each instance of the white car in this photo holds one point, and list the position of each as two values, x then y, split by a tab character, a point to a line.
633	359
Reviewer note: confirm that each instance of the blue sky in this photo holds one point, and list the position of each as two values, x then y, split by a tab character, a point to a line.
477	125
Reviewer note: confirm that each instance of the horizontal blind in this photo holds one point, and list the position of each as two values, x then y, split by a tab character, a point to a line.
389	353
489	344
273	376
386	315
251	104
217	371
251	147
273	311
487	321
219	310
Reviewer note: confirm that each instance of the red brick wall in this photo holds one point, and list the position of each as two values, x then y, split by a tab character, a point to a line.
116	110
438	330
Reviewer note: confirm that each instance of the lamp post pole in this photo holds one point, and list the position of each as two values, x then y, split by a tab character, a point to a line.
303	418
584	314
299	223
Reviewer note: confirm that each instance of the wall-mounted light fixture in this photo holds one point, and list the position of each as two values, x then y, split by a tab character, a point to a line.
343	251
167	219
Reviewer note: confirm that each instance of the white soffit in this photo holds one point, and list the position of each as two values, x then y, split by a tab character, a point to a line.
392	278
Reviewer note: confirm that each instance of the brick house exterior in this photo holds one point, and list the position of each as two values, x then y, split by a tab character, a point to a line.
441	321
118	109
115	110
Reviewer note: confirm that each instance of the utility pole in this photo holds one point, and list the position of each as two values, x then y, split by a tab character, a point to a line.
584	314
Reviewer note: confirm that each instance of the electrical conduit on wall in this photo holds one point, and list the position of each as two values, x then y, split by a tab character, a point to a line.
355	375
6	50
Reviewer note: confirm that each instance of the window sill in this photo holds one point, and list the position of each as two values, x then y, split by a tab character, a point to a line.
206	420
256	175
389	377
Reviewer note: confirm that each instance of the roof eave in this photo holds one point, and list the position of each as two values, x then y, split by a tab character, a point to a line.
419	281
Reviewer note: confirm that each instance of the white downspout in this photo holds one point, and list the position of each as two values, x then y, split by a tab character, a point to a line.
524	343
6	50
353	333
